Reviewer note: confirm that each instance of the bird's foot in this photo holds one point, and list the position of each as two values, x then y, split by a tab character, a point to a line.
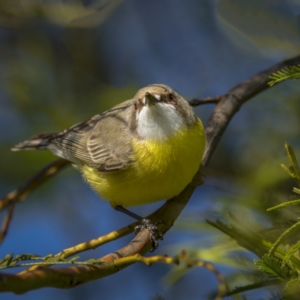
155	234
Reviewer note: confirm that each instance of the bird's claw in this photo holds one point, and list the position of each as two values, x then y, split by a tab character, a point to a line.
155	234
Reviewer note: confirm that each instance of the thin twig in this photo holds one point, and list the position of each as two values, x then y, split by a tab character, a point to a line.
35	181
208	100
20	193
200	263
231	102
6	222
92	244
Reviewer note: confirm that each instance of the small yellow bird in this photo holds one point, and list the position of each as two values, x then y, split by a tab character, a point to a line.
143	150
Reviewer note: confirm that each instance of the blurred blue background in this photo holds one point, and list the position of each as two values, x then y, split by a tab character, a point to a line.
65	61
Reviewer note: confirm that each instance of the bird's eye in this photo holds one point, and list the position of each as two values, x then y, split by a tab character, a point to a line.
171	98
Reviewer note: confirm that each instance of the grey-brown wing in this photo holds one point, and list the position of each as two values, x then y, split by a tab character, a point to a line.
103	142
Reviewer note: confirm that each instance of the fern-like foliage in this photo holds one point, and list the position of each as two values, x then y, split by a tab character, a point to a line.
292	72
281	239
293	171
293	168
291	252
278	261
273	267
26	260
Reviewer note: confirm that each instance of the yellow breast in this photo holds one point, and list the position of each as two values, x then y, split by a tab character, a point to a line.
160	170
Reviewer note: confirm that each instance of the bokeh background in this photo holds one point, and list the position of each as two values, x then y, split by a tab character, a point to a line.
65	61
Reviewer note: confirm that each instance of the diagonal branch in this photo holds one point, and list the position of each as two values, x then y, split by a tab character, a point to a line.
35	181
22	192
6	222
231	102
228	105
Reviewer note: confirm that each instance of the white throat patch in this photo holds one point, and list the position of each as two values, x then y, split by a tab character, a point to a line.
158	122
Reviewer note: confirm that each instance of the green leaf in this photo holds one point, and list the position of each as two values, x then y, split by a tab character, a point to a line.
292	289
292	72
273	267
291	252
284	204
294	283
294	168
283	236
9	261
295	190
6	261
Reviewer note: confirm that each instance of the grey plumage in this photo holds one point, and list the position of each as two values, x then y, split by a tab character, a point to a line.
95	142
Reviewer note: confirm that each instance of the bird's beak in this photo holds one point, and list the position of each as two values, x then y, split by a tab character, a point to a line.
151	99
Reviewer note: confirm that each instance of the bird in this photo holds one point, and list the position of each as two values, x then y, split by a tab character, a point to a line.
140	151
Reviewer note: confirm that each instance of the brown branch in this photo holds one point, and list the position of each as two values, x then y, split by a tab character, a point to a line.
92	244
6	222
21	193
191	263
35	181
232	101
226	108
208	100
67	278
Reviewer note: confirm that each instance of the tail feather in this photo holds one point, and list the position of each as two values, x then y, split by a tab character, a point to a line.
40	141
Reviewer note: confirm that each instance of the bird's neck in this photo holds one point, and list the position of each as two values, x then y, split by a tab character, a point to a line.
159	122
